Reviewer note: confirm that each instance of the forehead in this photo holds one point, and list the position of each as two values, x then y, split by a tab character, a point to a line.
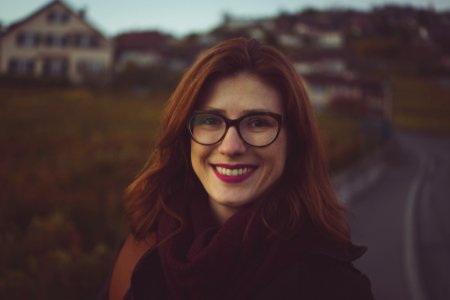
236	95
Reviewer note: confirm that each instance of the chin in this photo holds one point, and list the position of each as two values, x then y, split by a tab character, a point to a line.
234	201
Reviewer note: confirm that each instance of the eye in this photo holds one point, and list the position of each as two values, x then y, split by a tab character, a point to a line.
260	122
207	120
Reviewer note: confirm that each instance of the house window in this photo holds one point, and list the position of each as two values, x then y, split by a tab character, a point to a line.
57	17
55	67
90	66
91	69
21	66
56	40
27	39
85	41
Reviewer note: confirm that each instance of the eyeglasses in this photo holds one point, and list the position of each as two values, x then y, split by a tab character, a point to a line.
258	129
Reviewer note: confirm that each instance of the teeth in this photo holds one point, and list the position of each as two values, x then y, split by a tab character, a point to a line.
232	172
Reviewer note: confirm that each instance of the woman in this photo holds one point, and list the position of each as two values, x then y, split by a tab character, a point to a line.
236	202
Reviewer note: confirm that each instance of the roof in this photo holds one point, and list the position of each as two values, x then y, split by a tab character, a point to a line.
71	11
319	54
142	41
358	81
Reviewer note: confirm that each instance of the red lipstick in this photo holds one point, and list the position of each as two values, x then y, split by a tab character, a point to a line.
233	173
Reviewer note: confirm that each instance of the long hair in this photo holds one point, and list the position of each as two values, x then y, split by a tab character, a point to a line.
306	191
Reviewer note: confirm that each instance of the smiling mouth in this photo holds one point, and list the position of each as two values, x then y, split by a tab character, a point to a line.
233	174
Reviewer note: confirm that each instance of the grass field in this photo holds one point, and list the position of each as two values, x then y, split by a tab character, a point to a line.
421	104
66	157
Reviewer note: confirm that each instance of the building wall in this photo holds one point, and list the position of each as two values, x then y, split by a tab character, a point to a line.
79	57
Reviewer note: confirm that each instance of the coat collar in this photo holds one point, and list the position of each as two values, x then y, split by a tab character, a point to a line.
348	254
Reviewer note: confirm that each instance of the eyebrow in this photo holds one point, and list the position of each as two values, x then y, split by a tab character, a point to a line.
244	112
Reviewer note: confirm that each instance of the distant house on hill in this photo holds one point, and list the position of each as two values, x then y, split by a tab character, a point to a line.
141	49
320	61
357	94
55	41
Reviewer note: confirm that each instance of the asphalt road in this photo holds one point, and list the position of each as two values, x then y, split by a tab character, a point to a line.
403	217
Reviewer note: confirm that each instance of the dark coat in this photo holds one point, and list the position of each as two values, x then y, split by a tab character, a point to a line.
316	276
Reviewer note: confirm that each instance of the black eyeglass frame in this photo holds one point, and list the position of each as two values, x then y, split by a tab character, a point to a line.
236	122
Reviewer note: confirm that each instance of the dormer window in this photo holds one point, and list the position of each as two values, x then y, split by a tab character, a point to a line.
57	17
84	41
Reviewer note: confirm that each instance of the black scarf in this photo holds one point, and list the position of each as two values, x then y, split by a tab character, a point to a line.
209	261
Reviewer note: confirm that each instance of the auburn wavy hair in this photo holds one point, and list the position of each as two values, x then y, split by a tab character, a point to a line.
305	191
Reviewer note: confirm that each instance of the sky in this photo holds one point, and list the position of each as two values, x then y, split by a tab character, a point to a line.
181	17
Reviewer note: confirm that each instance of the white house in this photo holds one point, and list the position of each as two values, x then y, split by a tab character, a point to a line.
55	41
366	94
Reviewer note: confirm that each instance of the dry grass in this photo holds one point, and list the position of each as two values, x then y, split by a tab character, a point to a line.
421	104
66	157
343	139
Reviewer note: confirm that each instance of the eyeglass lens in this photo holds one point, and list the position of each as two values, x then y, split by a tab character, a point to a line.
255	129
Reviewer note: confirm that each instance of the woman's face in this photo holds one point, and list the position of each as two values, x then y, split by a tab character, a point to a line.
232	172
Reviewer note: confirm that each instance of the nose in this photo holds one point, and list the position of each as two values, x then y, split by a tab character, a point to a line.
232	144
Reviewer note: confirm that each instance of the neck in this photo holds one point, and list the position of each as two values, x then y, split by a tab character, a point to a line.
221	212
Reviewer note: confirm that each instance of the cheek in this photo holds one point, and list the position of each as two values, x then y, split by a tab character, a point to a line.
280	155
194	155
280	165
197	157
